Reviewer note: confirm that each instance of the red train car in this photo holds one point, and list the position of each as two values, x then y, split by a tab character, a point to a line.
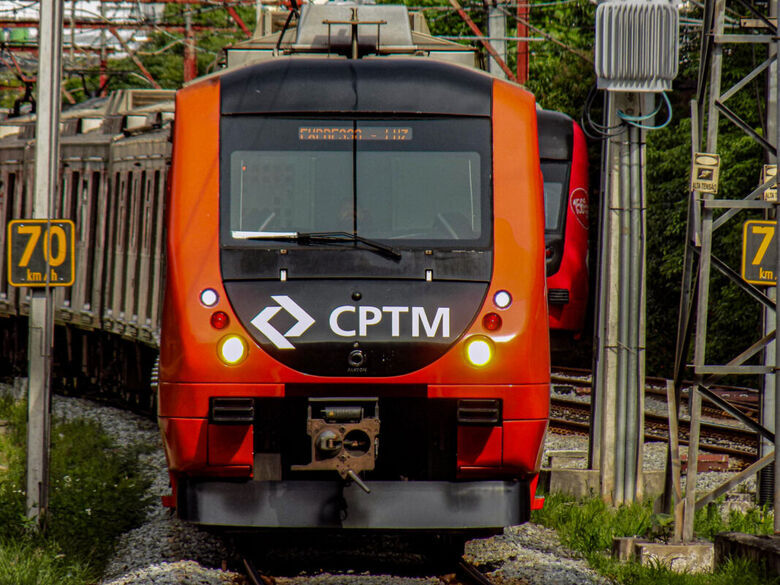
564	161
355	330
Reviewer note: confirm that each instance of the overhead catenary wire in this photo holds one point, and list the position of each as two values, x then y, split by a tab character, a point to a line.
209	5
548	36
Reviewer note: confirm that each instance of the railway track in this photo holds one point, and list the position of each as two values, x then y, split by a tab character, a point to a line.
574	417
744	398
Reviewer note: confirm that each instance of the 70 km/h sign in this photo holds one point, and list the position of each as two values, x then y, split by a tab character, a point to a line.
38	246
759	252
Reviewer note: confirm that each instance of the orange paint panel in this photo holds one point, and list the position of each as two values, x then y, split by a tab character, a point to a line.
523	442
192	400
231	444
189	344
479	446
185	443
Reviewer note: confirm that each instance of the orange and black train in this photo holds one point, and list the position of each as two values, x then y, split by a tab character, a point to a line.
355	322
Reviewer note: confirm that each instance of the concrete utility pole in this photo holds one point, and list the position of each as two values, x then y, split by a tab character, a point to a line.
497	35
636	56
621	328
190	59
41	319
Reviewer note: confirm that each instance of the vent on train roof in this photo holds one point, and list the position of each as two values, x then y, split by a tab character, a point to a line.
328	27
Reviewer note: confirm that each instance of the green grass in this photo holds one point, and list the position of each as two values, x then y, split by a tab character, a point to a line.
589	525
25	563
97	492
709	521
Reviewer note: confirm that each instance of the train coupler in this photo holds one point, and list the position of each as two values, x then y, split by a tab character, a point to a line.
344	436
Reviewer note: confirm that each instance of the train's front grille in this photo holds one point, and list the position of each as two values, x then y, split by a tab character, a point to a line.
232	411
479	412
558	296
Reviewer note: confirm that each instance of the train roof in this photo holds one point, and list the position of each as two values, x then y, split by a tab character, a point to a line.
123	110
404	86
385	30
556	135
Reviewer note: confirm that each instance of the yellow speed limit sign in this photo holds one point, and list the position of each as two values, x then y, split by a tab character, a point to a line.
41	252
759	252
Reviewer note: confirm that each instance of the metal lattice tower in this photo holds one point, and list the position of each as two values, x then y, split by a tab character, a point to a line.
706	214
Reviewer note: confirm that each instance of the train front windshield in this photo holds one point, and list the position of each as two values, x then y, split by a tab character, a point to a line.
411	183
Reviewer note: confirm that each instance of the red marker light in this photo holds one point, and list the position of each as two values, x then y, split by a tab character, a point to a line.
491	322
219	320
548	252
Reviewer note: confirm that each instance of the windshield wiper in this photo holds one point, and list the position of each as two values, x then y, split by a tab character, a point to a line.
308	238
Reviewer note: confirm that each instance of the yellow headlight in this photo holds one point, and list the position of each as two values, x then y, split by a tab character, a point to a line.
232	350
479	351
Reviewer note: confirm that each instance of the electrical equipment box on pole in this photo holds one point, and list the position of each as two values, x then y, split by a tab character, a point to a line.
637	45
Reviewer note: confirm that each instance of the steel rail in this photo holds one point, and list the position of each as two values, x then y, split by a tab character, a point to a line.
472	574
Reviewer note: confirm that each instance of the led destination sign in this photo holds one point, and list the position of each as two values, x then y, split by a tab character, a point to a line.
389	133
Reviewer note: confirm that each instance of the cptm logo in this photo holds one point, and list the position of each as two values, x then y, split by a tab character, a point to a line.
579	203
351	321
304	321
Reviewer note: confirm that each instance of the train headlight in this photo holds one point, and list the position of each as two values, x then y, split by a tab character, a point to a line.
232	350
209	297
502	299
479	351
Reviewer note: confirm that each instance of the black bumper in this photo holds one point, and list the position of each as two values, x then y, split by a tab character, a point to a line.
391	505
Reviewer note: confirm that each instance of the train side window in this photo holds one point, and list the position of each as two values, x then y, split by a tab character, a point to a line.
93	195
73	202
111	241
7	189
556	181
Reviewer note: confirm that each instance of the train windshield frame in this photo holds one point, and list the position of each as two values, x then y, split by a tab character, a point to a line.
408	183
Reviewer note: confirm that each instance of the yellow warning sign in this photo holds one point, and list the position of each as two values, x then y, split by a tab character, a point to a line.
705	172
767	173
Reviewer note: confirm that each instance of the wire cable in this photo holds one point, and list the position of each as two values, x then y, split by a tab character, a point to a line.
634	120
600	131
